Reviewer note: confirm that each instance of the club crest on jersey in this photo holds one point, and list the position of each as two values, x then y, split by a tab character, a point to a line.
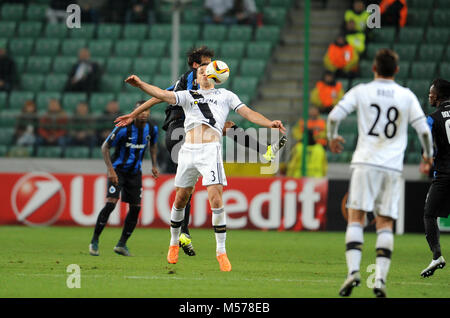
112	189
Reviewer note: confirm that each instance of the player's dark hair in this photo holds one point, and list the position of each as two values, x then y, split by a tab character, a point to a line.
442	88
195	54
386	62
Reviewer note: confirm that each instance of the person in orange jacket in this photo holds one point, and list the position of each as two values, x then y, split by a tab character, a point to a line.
341	57
393	12
317	125
326	93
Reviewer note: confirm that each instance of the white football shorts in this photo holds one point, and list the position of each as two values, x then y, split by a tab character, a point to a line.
200	159
375	190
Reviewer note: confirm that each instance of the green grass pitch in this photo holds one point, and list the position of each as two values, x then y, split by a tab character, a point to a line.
266	264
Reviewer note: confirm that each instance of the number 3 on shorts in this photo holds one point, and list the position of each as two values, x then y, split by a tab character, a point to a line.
213	176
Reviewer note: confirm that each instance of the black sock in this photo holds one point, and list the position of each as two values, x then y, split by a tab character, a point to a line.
130	224
187	214
102	219
432	234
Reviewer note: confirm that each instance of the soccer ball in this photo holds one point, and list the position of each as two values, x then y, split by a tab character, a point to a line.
217	72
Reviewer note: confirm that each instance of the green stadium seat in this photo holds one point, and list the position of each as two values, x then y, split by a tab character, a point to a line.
4	43
63	64
36	12
423	70
87	31
214	45
12	11
118	65
71	100
7	29
3	100
98	101
20	151
260	4
164	13
349	125
162	81
29	29
446	56
240	33
111	83
96	153
70	47
166	66
253	67
127	48
185	46
43	98
135	32
78	152
361	80
279	3
189	32
350	141
193	15
21	63
406	52
6	136
420	4
100	48
420	87
444	70
56	31
39	64
431	52
3	150
110	31
128	100
18	98
232	49
384	35
145	66
259	50
411	35
441	18
268	33
21	47
413	157
365	68
417	18
275	16
55	82
234	66
403	72
245	85
154	48
438	35
214	32
161	32
32	82
49	152
372	49
101	61
46	47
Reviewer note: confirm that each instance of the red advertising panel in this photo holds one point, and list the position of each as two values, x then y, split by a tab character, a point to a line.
40	198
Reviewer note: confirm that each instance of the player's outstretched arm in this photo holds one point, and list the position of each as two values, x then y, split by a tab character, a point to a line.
163	95
126	119
259	119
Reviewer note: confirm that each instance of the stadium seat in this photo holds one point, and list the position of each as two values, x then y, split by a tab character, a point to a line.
234	66
350	141
7	29
268	33
245	85
55	82
232	50
413	157
361	80
372	49
184	47
96	153
111	83
32	82
444	70
100	48
274	16
70	47
29	29
420	87
438	35
166	66
417	18
135	32
420	4
126	48
21	63
43	98
78	152
128	100
403	72
63	64
161	32
446	56
18	98
189	32
21	47
3	100
349	125
214	32
87	31
46	47
154	48
406	52
162	81
431	52
441	18
36	12
3	150
423	70
98	101
384	35
259	50
214	45
71	100
12	11
20	151
252	67
118	65
164	13
39	64
56	31
6	136
411	35
145	66
240	33
193	15
365	68
110	31
279	3
49	152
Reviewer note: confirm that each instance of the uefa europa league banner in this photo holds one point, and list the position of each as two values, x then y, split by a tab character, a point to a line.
40	199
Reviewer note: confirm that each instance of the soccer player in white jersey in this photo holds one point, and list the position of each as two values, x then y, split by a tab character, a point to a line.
384	110
206	110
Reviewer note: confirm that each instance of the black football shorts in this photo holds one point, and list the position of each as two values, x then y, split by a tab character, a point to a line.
129	187
437	203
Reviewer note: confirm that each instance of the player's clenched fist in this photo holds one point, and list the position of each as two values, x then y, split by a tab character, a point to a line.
133	80
278	124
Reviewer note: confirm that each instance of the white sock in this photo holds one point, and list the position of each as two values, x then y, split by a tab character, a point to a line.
220	227
176	217
384	248
354	239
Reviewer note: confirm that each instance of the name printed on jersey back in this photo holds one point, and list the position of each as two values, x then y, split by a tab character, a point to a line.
385	93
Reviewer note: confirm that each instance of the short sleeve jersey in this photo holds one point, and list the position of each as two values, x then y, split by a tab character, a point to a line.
209	107
384	110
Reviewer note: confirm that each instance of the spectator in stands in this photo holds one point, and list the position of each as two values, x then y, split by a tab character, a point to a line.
317	125
245	12
393	13
111	112
82	127
52	125
56	12
113	11
354	37
84	75
341	58
7	71
219	11
316	159
141	11
91	10
27	123
326	93
358	15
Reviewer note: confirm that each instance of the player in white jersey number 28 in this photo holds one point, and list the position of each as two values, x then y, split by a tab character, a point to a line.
384	110
206	110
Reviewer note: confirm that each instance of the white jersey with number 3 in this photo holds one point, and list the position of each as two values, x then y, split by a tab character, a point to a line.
384	109
209	107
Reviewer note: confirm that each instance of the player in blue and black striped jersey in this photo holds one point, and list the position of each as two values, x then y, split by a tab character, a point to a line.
124	170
